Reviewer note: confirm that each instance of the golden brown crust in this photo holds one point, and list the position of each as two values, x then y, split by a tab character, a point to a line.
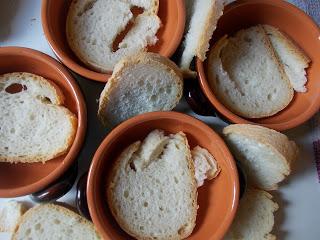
140	58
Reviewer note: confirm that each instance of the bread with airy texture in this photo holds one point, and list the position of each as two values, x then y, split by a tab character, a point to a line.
93	26
34	126
152	191
10	213
246	75
51	222
254	219
142	83
202	18
265	154
293	59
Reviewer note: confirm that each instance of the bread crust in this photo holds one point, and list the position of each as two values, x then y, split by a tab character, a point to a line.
56	103
113	178
64	210
154	59
275	141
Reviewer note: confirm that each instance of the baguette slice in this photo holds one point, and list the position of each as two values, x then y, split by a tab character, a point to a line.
34	126
246	75
202	18
51	222
265	154
10	213
143	83
254	218
93	27
159	200
292	58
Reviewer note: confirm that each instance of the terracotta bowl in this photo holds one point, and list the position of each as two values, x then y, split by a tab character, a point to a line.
297	25
53	15
218	199
22	179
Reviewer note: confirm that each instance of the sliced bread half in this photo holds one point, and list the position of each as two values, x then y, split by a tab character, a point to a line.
254	218
158	200
246	75
10	214
93	26
142	83
51	222
265	154
293	59
34	126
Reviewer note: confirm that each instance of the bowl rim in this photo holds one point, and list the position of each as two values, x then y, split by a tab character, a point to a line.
92	187
91	74
204	84
70	157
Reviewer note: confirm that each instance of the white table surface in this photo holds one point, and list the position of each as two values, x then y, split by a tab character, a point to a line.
299	197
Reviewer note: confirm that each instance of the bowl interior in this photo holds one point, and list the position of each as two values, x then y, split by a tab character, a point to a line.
217	199
21	179
300	28
171	13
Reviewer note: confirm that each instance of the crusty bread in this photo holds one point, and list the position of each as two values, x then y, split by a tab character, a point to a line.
93	26
254	218
10	213
265	154
34	126
142	83
202	18
292	58
154	198
206	167
246	75
51	222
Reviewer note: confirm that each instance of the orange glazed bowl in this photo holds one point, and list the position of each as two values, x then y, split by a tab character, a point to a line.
300	28
22	178
217	199
53	16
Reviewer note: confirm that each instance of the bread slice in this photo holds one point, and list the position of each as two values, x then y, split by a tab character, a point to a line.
254	218
93	27
142	83
265	154
159	200
202	18
10	213
292	58
34	126
206	167
246	75
51	222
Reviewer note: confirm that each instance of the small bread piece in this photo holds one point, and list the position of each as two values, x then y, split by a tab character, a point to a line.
202	18
246	75
142	83
206	167
158	201
93	27
10	213
293	59
51	222
34	126
254	218
265	154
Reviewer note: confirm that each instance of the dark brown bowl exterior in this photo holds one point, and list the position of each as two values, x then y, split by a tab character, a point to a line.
217	199
53	17
22	179
300	28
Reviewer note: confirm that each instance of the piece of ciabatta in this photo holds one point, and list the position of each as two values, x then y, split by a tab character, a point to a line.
93	27
34	126
152	192
142	83
10	214
265	154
